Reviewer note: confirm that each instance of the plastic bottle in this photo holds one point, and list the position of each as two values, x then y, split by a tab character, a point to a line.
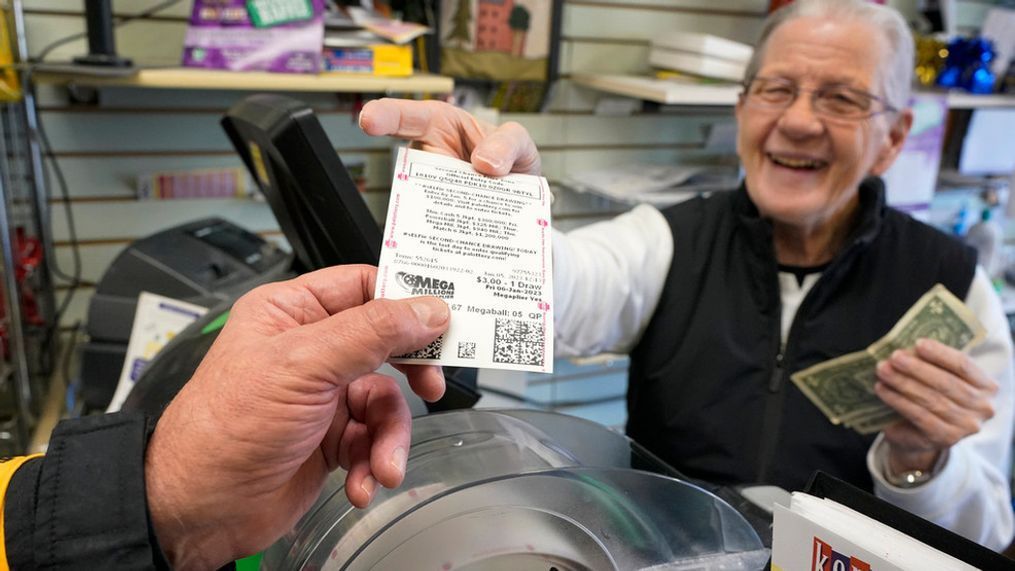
960	224
987	237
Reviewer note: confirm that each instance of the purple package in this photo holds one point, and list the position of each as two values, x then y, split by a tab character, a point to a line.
255	35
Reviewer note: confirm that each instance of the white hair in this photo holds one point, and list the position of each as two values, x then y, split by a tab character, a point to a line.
896	69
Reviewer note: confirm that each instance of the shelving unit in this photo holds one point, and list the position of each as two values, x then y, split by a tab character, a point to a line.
664	91
673	92
27	290
958	100
186	78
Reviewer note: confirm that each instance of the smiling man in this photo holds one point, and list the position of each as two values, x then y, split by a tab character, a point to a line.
720	299
811	128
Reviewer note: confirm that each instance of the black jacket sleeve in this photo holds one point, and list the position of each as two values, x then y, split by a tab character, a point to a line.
83	505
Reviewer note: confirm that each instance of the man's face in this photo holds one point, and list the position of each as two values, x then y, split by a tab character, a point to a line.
803	169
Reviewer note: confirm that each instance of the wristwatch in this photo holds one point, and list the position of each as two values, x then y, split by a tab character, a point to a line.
907	479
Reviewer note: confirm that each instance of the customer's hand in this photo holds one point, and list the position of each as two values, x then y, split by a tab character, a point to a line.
943	397
442	128
286	394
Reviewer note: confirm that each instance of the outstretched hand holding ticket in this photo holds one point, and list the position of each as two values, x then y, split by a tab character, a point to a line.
439	127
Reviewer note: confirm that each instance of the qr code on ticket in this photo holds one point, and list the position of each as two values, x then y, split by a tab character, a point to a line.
466	350
518	342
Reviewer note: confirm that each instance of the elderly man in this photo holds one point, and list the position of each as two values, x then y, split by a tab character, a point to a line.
719	300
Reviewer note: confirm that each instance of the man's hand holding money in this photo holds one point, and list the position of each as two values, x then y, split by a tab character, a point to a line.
916	384
942	396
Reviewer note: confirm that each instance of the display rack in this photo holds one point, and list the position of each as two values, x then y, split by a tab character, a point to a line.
673	92
959	100
185	78
26	288
666	91
20	393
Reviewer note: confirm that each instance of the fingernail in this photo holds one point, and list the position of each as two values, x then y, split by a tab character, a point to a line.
359	117
444	383
430	311
398	458
495	164
368	486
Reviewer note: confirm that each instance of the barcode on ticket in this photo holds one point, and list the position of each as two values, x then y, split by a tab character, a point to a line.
431	351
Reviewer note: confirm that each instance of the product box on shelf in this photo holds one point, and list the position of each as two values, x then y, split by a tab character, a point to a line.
378	59
255	35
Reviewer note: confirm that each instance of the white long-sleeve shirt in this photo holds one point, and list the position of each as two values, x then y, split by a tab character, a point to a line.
608	278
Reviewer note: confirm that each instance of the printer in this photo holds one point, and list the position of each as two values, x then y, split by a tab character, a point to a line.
204	262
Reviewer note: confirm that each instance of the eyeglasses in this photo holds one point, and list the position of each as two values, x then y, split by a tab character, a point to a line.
831	101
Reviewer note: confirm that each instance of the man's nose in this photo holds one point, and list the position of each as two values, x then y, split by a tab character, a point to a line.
800	119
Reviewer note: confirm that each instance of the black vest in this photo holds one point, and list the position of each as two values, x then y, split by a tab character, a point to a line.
709	383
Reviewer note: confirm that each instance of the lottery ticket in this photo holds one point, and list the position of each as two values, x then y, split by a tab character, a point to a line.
480	243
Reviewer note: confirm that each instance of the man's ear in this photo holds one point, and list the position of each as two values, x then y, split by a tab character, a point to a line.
894	139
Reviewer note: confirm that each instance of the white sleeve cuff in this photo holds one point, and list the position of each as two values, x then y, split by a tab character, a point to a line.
947	477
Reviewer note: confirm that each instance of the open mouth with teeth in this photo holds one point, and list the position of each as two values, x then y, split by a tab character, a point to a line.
799	164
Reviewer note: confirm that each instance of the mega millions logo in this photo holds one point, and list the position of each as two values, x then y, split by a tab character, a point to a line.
425	285
824	558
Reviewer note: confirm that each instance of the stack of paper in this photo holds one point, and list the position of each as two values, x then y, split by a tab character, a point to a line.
661	185
821	534
362	41
360	27
701	54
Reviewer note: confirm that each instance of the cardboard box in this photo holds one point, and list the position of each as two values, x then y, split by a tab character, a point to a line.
377	59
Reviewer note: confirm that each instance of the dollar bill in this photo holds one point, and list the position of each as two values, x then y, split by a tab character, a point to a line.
937	315
836	386
875	422
843	388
